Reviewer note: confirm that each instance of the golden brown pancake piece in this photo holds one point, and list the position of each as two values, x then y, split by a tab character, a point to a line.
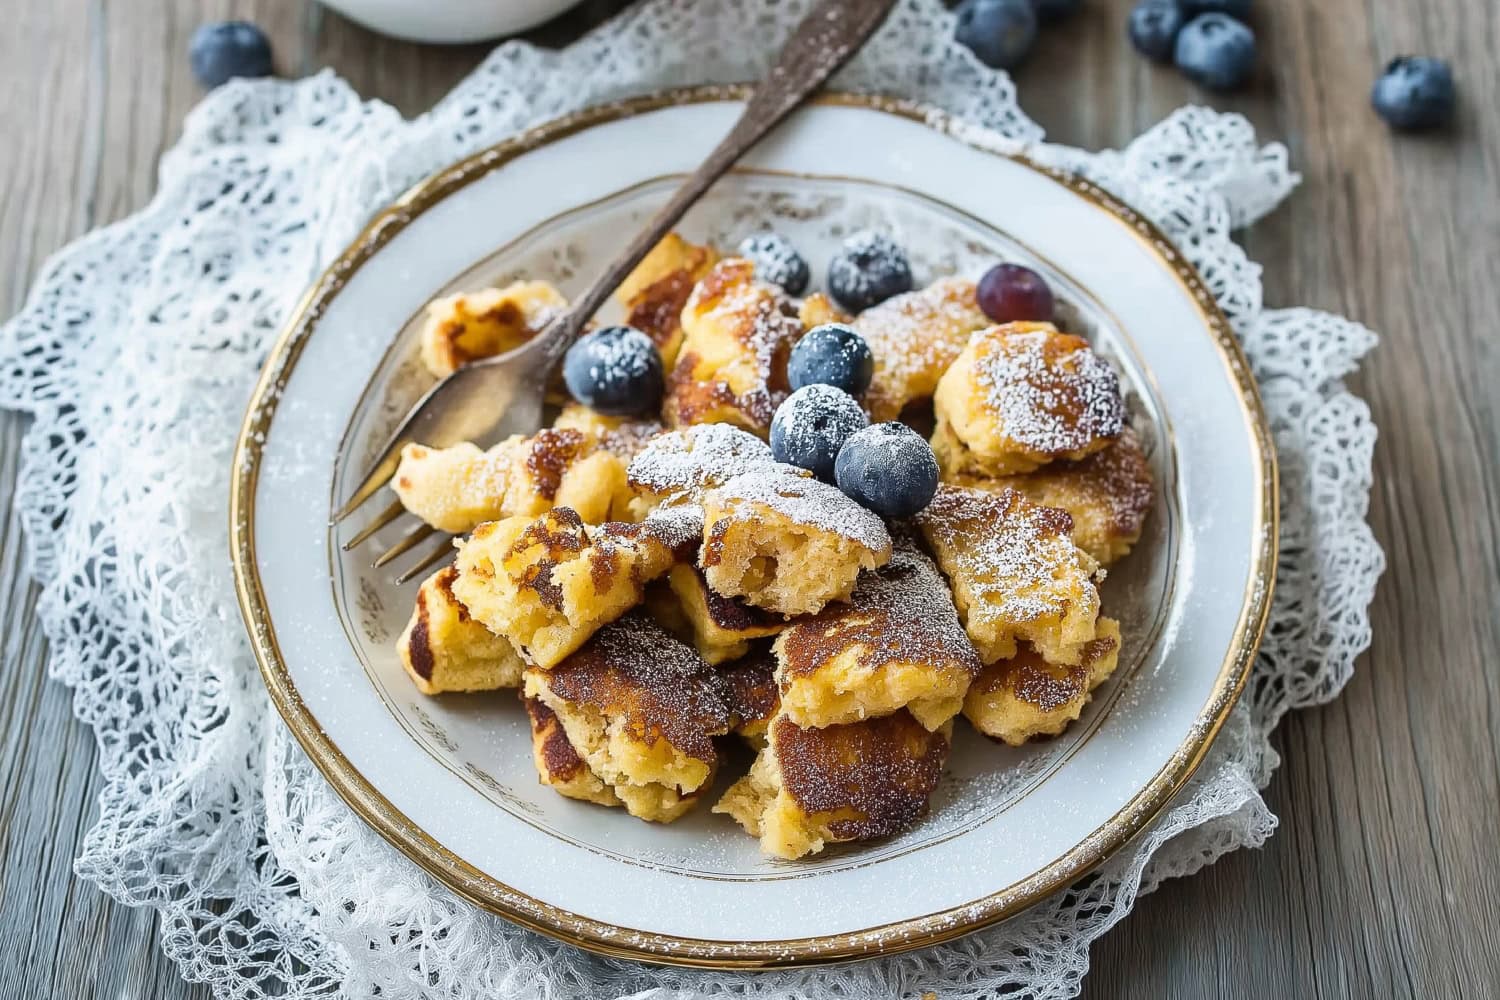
655	293
472	325
915	337
557	762
736	336
443	649
549	583
1023	697
897	644
1108	495
641	709
787	543
813	787
1015	572
1021	395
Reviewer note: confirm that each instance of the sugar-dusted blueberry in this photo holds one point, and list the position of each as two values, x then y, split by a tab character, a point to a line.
999	32
1415	92
1237	9
616	371
869	268
1048	11
888	468
1215	51
777	261
832	354
1153	27
1009	293
811	426
221	51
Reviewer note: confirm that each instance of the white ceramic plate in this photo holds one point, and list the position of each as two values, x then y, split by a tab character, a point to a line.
449	780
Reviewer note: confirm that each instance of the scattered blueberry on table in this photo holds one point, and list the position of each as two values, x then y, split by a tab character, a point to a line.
1153	26
831	354
1215	51
1415	92
811	427
999	32
888	468
777	261
1009	293
616	371
221	51
868	269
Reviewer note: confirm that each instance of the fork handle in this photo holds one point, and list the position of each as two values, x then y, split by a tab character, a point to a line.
831	33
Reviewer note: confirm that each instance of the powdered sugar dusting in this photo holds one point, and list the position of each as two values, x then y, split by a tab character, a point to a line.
912	591
808	502
1053	394
696	458
1003	549
914	338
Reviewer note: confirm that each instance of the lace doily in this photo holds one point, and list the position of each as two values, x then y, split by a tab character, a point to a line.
140	343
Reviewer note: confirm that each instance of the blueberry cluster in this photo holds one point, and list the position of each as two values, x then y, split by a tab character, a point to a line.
1208	40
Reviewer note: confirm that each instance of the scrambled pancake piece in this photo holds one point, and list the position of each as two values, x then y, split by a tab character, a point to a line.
787	543
443	649
472	325
737	334
623	437
641	710
1108	494
814	787
679	467
1022	395
750	692
915	337
549	583
720	628
655	292
455	488
563	468
1025	696
897	644
1015	572
558	765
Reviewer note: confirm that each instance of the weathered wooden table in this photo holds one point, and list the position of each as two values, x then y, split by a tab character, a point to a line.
1385	875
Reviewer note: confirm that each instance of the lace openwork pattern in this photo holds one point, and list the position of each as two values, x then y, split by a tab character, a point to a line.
141	341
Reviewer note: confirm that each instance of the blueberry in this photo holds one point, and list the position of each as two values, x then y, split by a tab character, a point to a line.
226	49
868	269
1055	10
999	32
888	468
1415	92
616	371
1237	9
832	354
777	261
1216	51
811	426
1153	28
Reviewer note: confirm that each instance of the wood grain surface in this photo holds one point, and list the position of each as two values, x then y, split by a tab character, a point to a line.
1384	877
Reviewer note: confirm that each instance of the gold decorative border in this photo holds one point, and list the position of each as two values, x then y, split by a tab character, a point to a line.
608	939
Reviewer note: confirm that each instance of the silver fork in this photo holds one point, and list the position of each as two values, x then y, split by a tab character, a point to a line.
496	397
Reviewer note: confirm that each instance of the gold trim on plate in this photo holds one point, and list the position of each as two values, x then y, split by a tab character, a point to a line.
609	939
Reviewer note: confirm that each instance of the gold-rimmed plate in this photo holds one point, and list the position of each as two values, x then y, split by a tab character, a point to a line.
449	780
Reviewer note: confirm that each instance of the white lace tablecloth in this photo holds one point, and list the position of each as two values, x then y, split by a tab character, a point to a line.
137	350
